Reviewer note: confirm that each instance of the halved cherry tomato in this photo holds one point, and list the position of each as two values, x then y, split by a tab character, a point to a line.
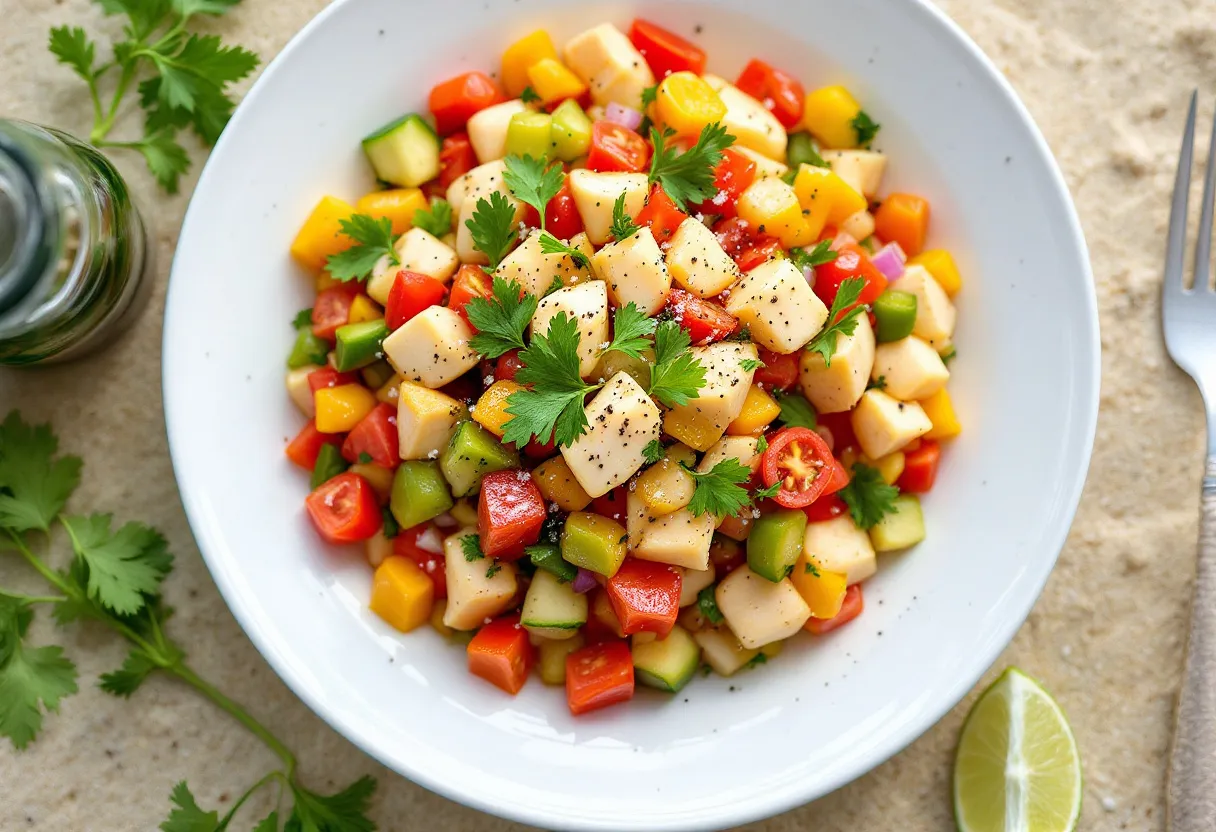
840	425
705	320
799	459
562	218
376	436
501	654
331	310
329	377
725	555
345	509
433	564
453	101
734	235
540	450
612	504
412	293
456	158
734	174
510	512
779	92
837	478
764	249
661	214
645	596
665	52
780	372
826	507
471	282
617	148
920	468
852	607
507	366
598	675
851	261
304	448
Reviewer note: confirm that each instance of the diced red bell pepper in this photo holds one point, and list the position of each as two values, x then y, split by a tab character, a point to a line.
665	51
705	320
501	654
780	372
920	468
661	214
852	607
331	310
612	504
304	448
412	293
329	377
433	564
827	507
617	148
345	509
645	596
453	101
540	450
510	513
734	175
764	249
851	261
779	92
375	436
471	282
599	675
456	158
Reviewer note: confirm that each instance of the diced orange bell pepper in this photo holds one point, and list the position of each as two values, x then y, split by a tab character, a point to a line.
522	54
402	594
686	103
398	204
491	409
321	236
557	485
501	654
903	218
940	410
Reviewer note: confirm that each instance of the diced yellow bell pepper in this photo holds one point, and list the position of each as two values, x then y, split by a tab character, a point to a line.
402	594
665	487
552	661
464	512
890	466
686	103
522	54
829	115
772	207
553	81
326	281
398	204
759	408
321	236
491	409
379	477
822	590
340	408
363	308
940	264
558	485
390	393
773	649
825	195
692	430
940	411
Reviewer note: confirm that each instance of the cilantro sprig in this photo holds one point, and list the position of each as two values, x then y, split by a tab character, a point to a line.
535	184
373	238
502	319
865	127
839	322
796	411
554	405
689	176
868	496
114	578
630	330
492	227
708	605
183	79
822	253
436	219
551	245
676	375
623	227
722	490
653	452
530	96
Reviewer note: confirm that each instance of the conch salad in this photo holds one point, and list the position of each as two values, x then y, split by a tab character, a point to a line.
627	370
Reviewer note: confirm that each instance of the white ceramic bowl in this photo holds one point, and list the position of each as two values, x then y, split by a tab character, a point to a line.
724	751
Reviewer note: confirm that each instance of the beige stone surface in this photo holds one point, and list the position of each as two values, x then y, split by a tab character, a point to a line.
1107	82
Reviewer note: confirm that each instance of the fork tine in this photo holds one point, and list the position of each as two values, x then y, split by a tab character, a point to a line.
1176	240
1203	247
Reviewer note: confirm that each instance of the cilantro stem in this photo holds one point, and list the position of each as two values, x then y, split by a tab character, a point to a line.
274	775
36	562
102	127
33	599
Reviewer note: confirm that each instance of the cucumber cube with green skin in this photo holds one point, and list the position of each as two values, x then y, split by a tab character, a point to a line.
667	663
377	374
552	609
802	150
570	131
901	528
359	344
528	134
307	349
895	314
404	152
419	493
594	542
548	556
775	543
329	464
472	453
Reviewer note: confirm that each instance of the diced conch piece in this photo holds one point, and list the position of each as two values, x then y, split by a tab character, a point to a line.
742	448
468	252
835	388
859	225
534	270
481	181
697	262
771	207
610	66
701	421
748	121
910	369
635	272
488	129
862	169
623	421
595	194
419	251
586	303
884	424
426	420
694	580
775	302
766	168
837	545
759	611
935	313
300	391
678	538
722	651
475	592
431	348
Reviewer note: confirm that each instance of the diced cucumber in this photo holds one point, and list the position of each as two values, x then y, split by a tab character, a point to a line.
359	344
552	609
404	152
307	349
667	663
571	131
802	150
895	312
594	542
552	661
528	135
548	556
329	464
901	528
419	493
472	453
775	543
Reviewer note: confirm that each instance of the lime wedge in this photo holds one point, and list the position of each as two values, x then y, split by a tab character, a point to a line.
1017	768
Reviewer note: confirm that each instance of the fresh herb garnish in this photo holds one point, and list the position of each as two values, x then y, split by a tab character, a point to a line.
722	490
493	227
551	245
554	404
649	94
689	176
868	496
812	569
839	324
865	127
373	238
676	375
529	96
765	493
623	227
820	254
949	355
534	184
750	365
653	451
631	329
303	319
494	570
364	458
796	411
761	444
470	544
391	527
709	606
502	319
879	383
758	659
554	285
435	220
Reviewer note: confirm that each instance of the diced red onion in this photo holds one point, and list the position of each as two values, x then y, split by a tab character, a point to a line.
890	260
622	115
430	541
446	521
809	273
584	581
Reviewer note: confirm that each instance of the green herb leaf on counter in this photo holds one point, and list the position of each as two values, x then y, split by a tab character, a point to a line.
689	176
839	324
623	227
122	566
796	411
186	815
676	375
32	679
493	227
373	238
73	48
34	483
435	220
501	320
345	811
127	679
868	496
722	490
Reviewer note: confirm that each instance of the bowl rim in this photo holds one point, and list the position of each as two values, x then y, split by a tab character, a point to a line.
761	807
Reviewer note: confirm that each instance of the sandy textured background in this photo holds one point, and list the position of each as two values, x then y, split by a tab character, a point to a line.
1108	87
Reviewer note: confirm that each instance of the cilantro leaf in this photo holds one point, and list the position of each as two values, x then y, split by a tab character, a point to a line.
303	319
492	227
32	679
676	375
879	383
202	63
124	566
186	815
820	254
554	405
34	484
270	823
865	127
73	48
554	285
649	94
758	659
166	159
811	569
750	365
708	605
630	331
551	245
345	811
124	681
761	444
529	96
796	411
502	320
435	220
722	490
532	183
653	451
494	569
470	544
949	355
689	176
623	227
868	496
212	7
373	238
764	493
839	324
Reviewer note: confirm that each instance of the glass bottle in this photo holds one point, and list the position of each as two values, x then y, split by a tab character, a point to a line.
74	256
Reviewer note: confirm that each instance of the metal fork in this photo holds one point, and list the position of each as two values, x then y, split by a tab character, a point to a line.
1189	321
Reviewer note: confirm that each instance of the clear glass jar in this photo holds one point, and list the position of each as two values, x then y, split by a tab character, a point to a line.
74	257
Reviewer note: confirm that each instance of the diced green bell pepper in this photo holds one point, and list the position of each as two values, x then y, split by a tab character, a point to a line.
802	150
528	134
308	349
359	344
548	557
594	542
329	464
419	493
775	543
895	313
472	453
570	131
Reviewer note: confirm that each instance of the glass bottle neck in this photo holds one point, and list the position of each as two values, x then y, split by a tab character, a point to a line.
28	222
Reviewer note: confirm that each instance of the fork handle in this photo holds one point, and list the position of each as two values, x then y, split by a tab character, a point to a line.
1191	794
